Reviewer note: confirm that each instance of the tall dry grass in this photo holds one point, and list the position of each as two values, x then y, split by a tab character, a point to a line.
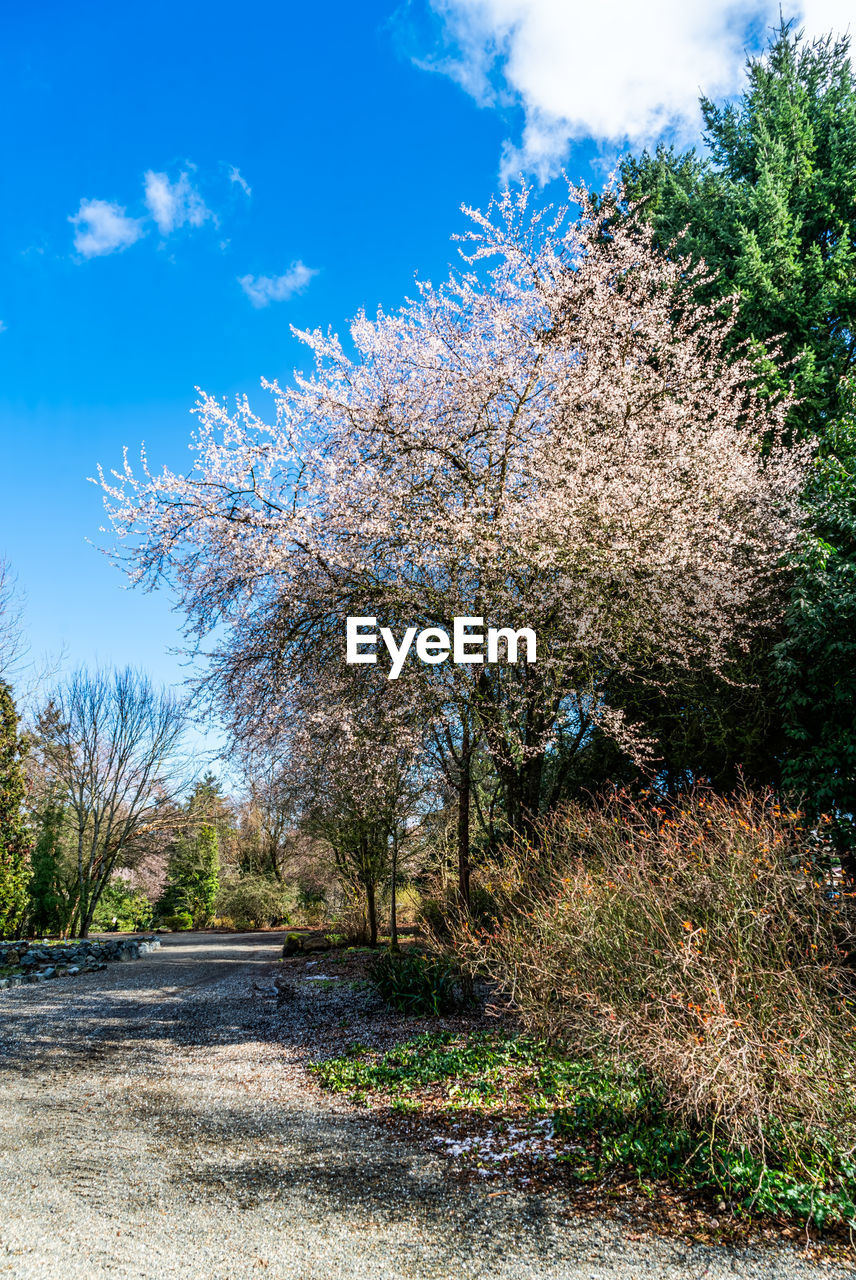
700	939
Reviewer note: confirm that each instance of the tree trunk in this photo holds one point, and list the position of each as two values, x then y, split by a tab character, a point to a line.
96	889
464	785
80	911
393	902
83	916
521	789
372	906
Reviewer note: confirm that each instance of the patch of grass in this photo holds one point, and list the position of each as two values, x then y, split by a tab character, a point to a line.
604	1119
424	1060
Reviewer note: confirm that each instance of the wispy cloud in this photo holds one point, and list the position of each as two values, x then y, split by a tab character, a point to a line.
262	290
174	204
235	175
623	76
3	326
101	227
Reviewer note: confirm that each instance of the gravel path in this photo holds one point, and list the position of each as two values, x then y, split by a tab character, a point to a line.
155	1122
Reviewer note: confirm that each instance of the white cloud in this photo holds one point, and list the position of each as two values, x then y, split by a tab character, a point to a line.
626	73
3	326
174	204
262	290
236	176
821	16
102	227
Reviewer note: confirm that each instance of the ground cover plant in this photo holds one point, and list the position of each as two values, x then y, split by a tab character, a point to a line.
594	1117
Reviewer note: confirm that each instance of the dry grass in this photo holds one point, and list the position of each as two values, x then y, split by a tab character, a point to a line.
701	940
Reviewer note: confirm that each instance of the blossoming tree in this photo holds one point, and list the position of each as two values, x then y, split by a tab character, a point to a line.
550	439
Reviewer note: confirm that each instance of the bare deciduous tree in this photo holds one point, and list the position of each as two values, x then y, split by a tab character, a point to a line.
112	743
11	643
267	818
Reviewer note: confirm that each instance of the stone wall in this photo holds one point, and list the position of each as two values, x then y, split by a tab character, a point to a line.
38	961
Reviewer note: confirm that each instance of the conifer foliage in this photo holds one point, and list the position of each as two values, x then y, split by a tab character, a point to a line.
14	834
193	876
771	208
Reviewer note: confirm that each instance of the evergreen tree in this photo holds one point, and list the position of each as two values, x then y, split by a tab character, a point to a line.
193	875
49	908
771	206
14	836
815	662
207	878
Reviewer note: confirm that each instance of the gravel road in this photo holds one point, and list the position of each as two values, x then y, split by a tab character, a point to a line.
155	1122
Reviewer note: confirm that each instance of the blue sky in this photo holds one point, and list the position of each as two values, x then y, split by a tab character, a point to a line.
183	182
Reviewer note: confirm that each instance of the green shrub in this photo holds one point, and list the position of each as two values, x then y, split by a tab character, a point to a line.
416	984
181	920
253	902
485	907
408	903
121	908
433	916
311	902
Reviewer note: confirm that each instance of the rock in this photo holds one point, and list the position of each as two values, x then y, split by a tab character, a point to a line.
67	959
315	944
